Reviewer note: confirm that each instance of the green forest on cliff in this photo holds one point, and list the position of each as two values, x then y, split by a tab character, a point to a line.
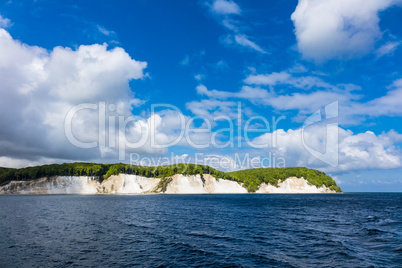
250	178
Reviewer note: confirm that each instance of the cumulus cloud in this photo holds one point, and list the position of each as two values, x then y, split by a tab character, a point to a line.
338	28
65	105
353	151
87	90
356	151
39	88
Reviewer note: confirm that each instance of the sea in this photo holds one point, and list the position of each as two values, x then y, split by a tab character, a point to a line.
248	230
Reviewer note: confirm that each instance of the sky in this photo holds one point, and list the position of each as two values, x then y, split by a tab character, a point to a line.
231	84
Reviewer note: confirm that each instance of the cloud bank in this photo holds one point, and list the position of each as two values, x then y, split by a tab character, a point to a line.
39	87
338	29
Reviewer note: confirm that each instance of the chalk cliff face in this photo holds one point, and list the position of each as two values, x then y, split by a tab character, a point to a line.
205	184
133	184
53	185
293	185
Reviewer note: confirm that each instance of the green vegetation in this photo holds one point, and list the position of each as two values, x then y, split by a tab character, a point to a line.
102	171
162	171
251	178
162	185
4	170
71	169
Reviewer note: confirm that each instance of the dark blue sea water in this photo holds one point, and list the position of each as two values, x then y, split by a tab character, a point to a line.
327	230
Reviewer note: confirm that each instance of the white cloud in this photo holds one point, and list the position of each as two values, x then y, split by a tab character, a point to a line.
4	22
356	151
202	90
337	180
338	28
303	103
221	65
387	49
105	31
246	93
199	77
388	105
286	78
396	84
231	24
19	163
315	95
224	7
243	40
91	73
213	108
193	59
225	11
268	79
298	68
39	87
185	60
319	94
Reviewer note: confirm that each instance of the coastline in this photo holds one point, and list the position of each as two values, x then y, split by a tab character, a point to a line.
126	184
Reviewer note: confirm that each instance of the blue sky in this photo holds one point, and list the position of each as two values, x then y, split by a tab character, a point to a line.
276	58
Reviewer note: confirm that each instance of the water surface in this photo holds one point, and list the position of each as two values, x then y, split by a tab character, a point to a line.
309	230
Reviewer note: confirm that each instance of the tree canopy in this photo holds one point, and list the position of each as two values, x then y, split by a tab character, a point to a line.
252	178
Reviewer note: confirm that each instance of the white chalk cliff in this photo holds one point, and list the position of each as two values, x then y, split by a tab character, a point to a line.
206	184
293	185
133	184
